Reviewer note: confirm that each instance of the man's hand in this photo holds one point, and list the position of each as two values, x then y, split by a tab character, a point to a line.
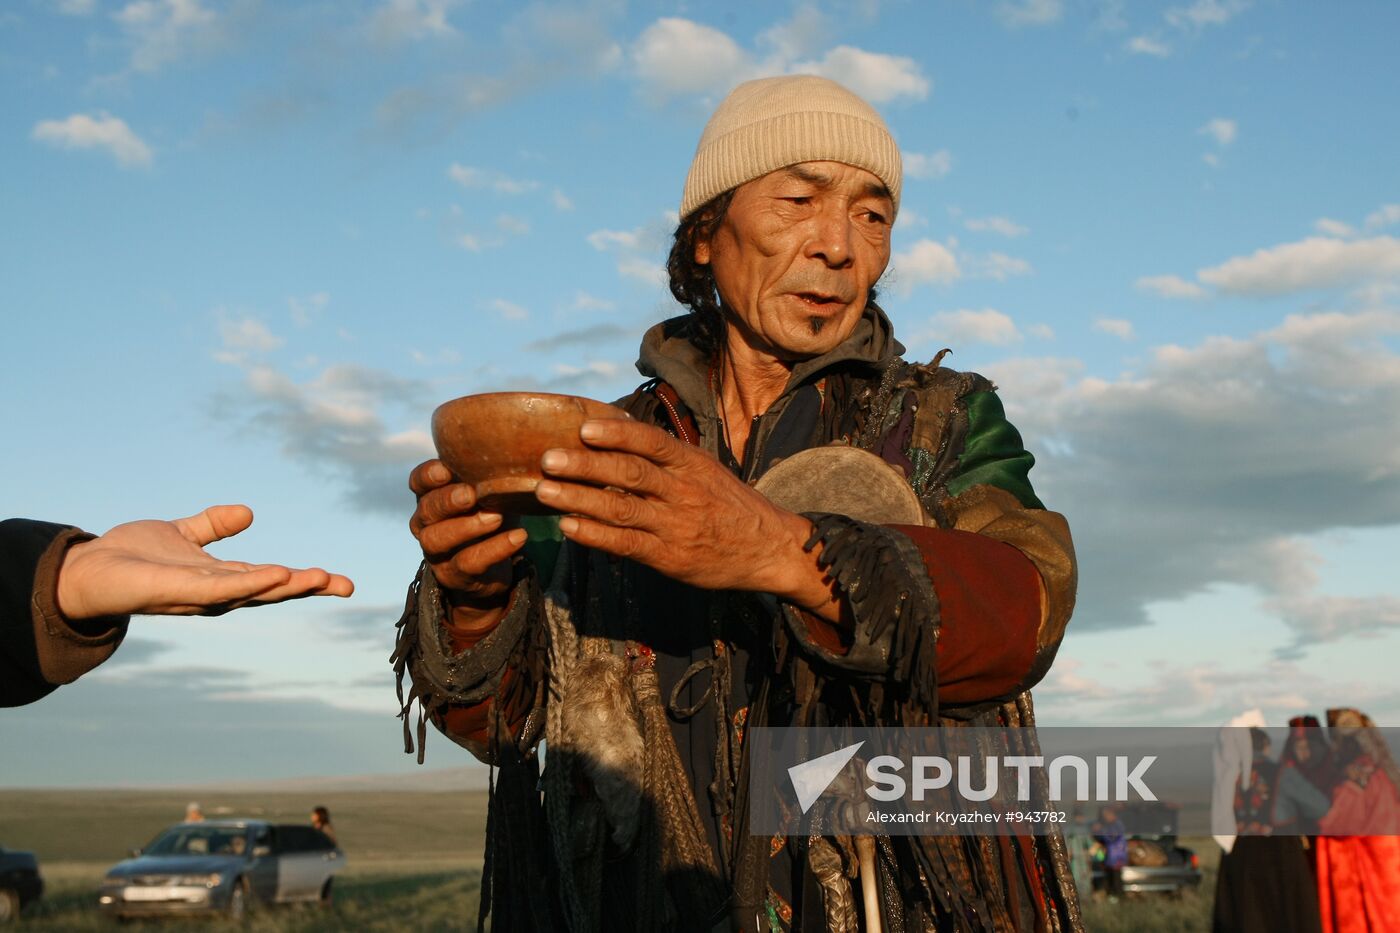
161	568
464	546
676	509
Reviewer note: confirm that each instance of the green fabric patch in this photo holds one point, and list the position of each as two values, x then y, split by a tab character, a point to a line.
993	453
542	547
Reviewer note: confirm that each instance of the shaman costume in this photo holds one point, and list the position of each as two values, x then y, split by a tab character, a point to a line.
643	687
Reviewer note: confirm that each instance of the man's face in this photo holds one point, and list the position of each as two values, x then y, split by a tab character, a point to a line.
797	253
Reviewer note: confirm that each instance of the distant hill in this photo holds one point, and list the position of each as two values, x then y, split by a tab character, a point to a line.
468	778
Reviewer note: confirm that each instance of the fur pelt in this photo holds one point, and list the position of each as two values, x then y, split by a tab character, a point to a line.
599	729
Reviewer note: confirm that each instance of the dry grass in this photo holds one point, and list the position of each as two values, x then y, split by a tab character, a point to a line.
413	860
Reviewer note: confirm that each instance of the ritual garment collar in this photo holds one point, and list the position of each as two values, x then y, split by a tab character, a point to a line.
668	354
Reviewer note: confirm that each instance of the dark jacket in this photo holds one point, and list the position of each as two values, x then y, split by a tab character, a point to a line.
40	649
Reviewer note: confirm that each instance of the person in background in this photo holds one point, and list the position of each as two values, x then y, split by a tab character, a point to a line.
193	813
321	819
66	596
1265	884
1110	834
1358	876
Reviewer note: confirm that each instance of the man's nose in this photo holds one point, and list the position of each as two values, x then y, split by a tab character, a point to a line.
830	239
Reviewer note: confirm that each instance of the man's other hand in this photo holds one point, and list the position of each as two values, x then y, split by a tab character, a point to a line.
468	553
161	568
676	509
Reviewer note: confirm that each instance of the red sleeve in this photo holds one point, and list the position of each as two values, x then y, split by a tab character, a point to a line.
473	723
989	597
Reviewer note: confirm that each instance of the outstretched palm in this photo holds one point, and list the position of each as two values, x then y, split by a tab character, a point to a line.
161	568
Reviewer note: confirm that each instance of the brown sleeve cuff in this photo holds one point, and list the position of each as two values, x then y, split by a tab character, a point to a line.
67	650
989	594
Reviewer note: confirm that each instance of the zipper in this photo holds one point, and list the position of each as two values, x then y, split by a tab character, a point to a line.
675	417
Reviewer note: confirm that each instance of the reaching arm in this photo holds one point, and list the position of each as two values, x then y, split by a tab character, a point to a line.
67	594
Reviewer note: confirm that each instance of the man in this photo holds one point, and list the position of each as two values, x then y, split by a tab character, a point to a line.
684	606
66	595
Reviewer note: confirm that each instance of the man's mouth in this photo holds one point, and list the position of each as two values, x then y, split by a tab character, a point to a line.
821	300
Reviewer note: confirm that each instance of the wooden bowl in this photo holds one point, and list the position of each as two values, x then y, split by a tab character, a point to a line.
494	442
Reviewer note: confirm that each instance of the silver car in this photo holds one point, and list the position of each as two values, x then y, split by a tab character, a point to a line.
222	866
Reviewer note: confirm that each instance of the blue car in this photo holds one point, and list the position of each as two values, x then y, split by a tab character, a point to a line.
223	867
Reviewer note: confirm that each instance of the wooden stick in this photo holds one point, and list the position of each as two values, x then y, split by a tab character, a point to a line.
865	849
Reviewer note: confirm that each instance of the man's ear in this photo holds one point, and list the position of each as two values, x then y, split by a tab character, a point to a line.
702	252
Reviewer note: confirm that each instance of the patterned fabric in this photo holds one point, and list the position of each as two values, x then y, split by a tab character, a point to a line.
949	434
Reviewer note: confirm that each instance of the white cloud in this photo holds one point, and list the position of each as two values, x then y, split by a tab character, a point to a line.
1041	331
592	368
470	242
1221	129
583	301
877	77
1170	286
399	21
678	56
1002	225
928	165
626	239
1334	228
987	325
1146	45
1215	448
162	31
1384	217
304	310
997	266
246	334
561	201
674	57
77	7
1119	328
1316	262
509	223
469	177
335	422
640	251
509	310
103	131
925	263
1206	13
648	272
1031	12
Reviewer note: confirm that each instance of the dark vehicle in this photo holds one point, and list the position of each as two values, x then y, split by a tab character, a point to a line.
20	883
1156	864
222	866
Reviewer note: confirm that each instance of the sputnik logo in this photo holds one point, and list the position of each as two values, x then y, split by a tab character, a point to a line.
811	778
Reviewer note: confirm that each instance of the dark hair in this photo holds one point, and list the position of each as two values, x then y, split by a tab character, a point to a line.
322	814
1259	739
693	283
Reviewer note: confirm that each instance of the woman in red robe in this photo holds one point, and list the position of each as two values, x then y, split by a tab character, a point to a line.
1358	876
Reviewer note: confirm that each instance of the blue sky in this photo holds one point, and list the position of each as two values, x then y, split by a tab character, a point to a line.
246	247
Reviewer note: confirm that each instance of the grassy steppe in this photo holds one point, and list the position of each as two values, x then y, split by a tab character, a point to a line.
414	860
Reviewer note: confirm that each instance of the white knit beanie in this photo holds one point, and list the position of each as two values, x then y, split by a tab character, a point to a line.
771	123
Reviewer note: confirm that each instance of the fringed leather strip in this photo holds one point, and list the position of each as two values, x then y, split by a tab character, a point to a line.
440	677
883	577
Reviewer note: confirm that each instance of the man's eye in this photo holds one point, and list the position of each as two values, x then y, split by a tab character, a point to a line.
875	217
799	199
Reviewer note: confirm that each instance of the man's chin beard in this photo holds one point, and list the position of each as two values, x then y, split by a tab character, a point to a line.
817	324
